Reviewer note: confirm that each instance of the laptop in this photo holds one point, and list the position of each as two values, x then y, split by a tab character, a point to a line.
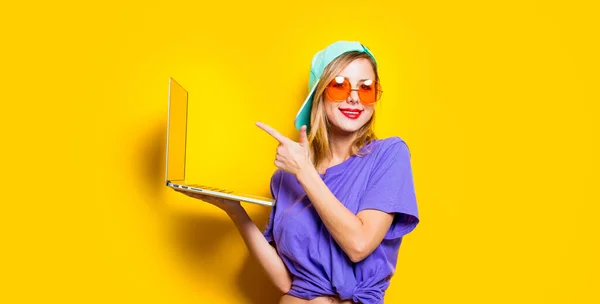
176	152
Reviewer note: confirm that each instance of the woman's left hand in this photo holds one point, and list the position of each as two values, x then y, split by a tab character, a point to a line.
292	157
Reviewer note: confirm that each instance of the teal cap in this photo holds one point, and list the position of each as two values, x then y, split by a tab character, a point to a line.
319	61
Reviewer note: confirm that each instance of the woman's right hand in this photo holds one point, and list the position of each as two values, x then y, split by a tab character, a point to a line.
224	204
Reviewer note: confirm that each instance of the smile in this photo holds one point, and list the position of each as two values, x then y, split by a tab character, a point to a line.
351	113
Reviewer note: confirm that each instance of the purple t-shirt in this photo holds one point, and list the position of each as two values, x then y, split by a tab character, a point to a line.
380	180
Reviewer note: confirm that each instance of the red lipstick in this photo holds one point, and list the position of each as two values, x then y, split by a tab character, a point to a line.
351	113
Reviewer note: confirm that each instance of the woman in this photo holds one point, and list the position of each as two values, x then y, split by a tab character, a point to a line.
344	199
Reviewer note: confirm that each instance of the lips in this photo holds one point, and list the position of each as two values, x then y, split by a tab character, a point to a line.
351	113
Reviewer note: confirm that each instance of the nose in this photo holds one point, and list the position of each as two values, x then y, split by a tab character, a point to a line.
353	97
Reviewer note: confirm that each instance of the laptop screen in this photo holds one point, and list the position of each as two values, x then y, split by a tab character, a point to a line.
176	131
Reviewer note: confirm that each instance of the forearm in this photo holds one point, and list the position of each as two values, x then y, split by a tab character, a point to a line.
258	246
345	227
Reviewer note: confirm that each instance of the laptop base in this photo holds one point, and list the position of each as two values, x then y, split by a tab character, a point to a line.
206	190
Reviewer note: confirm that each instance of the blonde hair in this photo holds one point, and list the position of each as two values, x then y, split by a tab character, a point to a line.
318	136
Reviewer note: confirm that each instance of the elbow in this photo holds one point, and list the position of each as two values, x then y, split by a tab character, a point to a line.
358	252
355	258
285	288
284	282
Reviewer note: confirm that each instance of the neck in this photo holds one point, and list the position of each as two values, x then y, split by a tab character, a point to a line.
340	145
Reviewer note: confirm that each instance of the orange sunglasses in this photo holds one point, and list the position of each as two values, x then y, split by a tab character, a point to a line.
369	91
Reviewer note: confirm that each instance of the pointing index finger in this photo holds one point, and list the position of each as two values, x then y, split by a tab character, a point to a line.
280	138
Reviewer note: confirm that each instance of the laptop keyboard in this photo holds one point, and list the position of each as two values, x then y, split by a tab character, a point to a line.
212	189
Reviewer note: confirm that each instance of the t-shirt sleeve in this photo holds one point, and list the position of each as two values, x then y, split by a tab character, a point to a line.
391	189
274	187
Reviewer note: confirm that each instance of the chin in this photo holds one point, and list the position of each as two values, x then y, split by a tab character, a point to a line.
344	125
348	126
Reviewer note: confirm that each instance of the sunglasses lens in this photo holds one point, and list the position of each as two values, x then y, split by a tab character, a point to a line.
368	91
338	89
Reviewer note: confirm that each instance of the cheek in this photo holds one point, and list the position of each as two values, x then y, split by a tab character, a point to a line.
330	110
367	114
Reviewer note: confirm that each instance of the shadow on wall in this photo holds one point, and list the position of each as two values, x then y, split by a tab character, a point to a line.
194	236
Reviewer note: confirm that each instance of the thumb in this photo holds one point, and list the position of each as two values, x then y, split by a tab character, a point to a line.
303	137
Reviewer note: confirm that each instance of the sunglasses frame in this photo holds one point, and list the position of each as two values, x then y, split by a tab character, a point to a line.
377	88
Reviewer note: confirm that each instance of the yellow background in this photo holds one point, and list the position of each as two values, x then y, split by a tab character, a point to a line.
498	103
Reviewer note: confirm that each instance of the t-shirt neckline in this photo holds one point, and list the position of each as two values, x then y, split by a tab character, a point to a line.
339	168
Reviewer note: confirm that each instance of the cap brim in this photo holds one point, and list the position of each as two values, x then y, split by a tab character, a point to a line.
303	116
